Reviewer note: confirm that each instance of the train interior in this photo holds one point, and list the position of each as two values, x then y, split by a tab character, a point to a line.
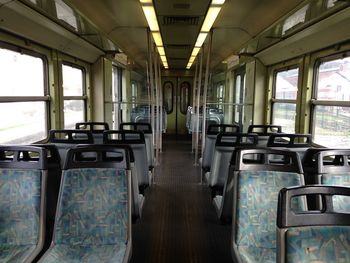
174	131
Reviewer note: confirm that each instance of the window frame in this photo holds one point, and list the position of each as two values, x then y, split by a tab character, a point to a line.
46	98
316	102
274	100
84	96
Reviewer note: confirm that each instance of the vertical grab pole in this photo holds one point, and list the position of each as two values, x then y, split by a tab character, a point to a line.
161	109
156	62
197	110
151	103
194	87
205	92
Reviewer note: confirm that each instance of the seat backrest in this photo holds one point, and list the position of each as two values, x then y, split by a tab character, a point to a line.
309	163
147	131
333	168
96	128
136	140
66	139
225	144
210	138
94	202
298	143
264	131
54	173
23	175
309	235
256	188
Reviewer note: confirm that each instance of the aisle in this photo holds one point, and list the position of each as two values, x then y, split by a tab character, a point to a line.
179	223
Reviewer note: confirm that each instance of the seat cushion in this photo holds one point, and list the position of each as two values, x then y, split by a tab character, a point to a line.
15	253
20	192
340	203
318	244
93	207
256	211
86	254
257	254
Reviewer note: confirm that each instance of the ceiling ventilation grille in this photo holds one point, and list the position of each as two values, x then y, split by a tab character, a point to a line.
180	20
174	46
181	6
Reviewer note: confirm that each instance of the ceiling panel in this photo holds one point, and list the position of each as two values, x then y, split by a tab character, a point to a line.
239	21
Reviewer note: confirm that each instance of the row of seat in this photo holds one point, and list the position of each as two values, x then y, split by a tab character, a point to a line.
93	217
56	153
250	191
272	219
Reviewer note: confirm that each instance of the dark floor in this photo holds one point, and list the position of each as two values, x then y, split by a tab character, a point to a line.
179	222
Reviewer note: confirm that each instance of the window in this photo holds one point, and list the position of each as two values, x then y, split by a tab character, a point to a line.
66	14
331	104
168	94
23	100
117	97
185	96
284	100
73	95
297	18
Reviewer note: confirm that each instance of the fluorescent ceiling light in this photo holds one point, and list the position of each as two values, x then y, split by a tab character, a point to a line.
151	17
157	38
200	39
191	59
161	51
213	2
195	51
146	1
210	18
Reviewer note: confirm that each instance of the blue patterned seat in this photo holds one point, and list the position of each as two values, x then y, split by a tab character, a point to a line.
96	129
22	199
92	221
264	132
136	140
66	139
256	188
298	143
222	200
313	236
333	169
148	133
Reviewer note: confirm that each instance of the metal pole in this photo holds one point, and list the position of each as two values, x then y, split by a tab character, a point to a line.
205	92
156	62
197	110
151	103
194	87
161	109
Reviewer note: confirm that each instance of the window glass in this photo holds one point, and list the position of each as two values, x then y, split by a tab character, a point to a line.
22	77
285	95
73	113
286	86
168	91
284	115
331	3
73	91
297	18
332	126
66	14
185	97
333	80
72	81
24	122
21	74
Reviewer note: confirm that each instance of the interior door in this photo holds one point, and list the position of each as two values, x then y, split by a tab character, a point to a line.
177	93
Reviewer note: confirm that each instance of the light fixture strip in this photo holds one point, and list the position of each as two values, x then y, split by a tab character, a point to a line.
151	17
209	20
